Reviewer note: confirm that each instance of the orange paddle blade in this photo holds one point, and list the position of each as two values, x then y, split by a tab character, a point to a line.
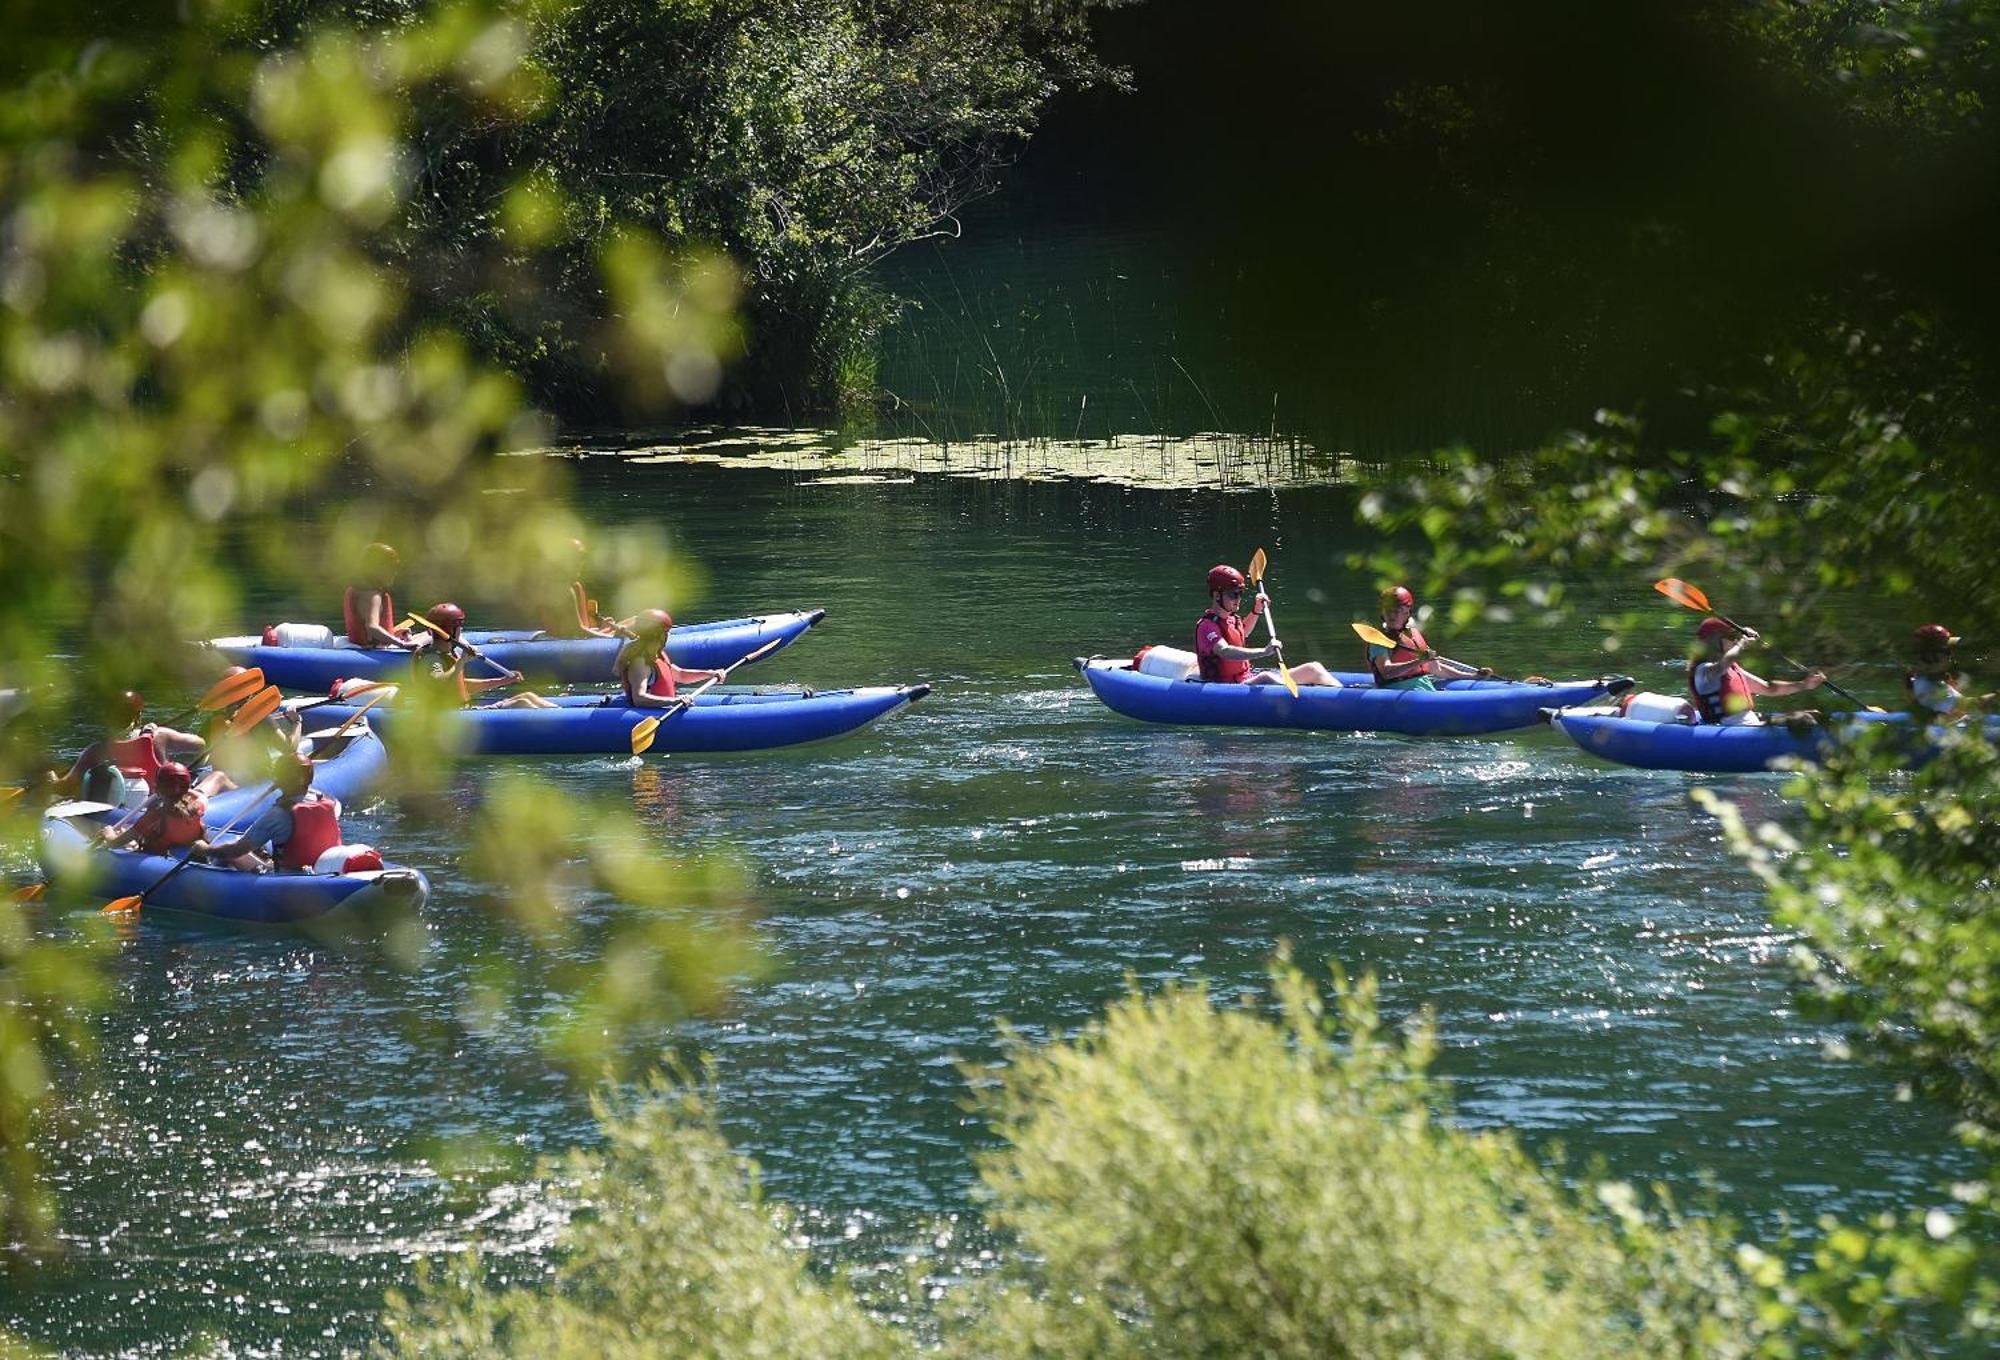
30	892
256	708
1681	593
1257	564
121	904
231	688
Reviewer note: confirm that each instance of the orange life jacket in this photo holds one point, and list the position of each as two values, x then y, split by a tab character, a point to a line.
659	683
173	826
315	830
357	627
1410	645
1229	629
1732	698
136	756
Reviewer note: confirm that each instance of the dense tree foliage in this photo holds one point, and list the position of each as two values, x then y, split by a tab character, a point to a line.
203	348
805	140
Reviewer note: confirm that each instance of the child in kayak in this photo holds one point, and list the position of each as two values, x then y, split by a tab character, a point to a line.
1411	664
1221	636
1723	691
642	669
170	819
448	671
369	611
1933	682
290	834
109	766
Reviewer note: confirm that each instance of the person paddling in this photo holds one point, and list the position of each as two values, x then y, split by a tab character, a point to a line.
170	819
1933	683
642	669
1411	664
448	672
115	762
1221	647
1723	691
293	832
368	609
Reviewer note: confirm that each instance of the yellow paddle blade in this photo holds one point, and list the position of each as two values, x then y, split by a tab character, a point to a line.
231	688
256	708
11	791
1285	674
1257	564
1681	593
1368	632
420	620
642	735
121	904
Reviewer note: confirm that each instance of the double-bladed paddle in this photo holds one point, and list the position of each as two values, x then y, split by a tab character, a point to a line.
1369	633
1256	574
137	899
645	729
131	903
509	672
1690	597
224	692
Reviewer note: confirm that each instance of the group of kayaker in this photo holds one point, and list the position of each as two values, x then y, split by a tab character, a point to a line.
136	757
1720	689
1223	654
642	669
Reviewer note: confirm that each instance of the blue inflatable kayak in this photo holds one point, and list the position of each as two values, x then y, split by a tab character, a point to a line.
700	646
1706	748
1460	708
597	724
363	900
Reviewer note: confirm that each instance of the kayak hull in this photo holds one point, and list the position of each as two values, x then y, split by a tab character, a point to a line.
1706	749
1461	708
597	724
700	646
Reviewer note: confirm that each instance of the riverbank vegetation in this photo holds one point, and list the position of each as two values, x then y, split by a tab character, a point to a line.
256	255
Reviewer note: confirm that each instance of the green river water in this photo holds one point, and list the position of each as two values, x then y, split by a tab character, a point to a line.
254	1160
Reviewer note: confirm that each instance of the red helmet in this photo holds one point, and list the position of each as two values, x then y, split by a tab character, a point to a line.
1934	637
446	616
1397	597
173	779
1224	578
652	622
1711	628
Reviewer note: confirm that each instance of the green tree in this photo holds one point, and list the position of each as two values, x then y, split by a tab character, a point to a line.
805	140
206	345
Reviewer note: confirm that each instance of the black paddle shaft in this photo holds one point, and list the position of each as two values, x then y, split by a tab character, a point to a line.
1796	664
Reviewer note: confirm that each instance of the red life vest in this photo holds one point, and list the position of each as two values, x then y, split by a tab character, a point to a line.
660	683
1411	645
173	826
315	830
357	627
1733	698
136	756
1229	629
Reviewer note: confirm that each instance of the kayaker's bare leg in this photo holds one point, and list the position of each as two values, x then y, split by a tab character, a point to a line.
1307	673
